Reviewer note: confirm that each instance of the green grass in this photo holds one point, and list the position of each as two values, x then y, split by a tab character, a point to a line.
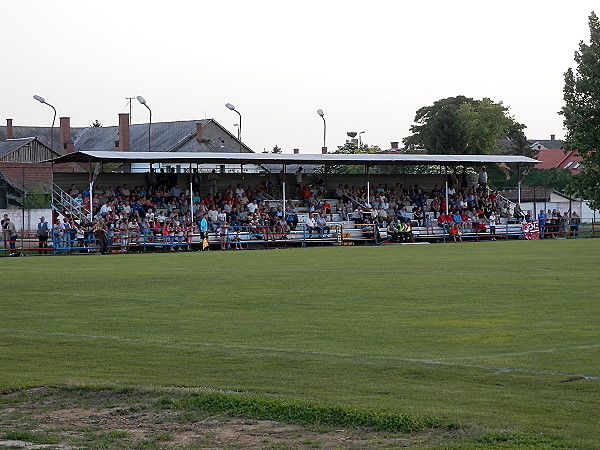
500	337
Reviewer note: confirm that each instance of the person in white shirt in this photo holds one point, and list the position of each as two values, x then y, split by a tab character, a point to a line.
309	225
492	222
252	207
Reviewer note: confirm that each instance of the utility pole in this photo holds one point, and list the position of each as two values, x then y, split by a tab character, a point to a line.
130	106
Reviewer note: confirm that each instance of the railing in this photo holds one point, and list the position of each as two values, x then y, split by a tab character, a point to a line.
243	237
66	205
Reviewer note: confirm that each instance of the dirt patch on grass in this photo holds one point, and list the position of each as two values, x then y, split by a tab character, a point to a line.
71	418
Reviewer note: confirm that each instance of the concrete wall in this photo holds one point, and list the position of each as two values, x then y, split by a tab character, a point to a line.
582	209
27	219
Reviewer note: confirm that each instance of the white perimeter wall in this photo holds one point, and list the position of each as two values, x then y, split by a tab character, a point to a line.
27	219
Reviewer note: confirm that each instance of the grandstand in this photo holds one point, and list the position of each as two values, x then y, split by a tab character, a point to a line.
145	211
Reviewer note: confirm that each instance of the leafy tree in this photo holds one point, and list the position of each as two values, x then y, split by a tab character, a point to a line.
461	125
582	114
348	148
96	124
557	179
276	149
437	128
37	198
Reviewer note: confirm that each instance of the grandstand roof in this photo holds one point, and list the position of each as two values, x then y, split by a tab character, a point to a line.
272	158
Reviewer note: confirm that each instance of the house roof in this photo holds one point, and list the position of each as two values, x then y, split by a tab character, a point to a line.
11	145
43	134
545	144
166	137
177	136
559	159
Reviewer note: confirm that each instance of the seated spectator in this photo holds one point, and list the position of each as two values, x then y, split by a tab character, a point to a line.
321	225
291	218
309	225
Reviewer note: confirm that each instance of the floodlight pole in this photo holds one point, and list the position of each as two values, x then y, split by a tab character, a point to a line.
143	102
322	114
42	100
232	108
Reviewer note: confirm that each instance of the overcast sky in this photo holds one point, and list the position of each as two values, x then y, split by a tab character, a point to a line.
368	65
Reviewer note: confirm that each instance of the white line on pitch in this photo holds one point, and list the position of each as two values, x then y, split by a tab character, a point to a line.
305	352
528	352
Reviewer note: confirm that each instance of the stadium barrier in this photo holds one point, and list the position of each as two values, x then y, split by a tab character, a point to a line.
257	236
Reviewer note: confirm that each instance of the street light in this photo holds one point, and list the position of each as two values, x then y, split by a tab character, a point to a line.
322	114
359	141
142	100
42	100
231	107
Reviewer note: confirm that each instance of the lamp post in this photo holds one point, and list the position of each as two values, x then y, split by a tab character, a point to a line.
42	100
231	107
322	114
142	100
359	140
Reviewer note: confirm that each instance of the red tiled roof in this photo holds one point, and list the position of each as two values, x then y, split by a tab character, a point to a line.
559	159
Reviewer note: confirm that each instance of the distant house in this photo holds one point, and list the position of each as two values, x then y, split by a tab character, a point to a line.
546	144
205	135
20	170
559	159
25	150
553	156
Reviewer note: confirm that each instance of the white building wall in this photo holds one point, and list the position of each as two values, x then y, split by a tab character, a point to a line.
27	219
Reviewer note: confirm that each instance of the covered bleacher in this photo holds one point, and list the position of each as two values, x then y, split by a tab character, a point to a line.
342	227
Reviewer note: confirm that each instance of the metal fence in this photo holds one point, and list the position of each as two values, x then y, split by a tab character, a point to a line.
247	237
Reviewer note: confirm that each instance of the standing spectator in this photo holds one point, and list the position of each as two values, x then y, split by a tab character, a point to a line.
223	232
542	223
298	183
42	234
56	235
213	178
483	178
492	222
11	231
4	224
203	225
574	224
99	231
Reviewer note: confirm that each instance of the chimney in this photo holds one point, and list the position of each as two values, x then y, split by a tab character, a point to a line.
394	145
296	151
324	150
552	137
123	132
9	129
65	134
199	132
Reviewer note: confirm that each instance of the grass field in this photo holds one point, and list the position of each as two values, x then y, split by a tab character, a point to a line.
495	339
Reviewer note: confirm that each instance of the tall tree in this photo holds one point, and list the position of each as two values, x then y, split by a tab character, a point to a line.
437	128
461	125
582	114
348	148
